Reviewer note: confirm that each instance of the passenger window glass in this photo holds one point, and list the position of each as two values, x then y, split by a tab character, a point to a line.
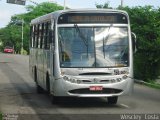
46	36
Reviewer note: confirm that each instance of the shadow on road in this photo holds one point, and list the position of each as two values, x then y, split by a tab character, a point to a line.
71	102
38	104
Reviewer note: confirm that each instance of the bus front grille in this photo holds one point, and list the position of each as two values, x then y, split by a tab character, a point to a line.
87	91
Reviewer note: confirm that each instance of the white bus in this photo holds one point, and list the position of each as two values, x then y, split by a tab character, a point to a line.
82	53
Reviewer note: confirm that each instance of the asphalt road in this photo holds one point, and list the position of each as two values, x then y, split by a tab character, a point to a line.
18	96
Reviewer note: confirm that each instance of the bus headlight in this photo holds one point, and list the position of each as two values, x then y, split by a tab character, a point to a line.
119	79
78	81
113	80
125	77
116	80
72	80
66	78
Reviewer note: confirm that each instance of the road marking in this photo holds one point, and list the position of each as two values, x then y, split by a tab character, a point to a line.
126	106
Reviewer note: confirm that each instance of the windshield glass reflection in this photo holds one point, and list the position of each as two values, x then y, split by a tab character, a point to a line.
93	46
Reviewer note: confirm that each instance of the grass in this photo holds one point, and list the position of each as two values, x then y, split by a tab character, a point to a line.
0	116
152	84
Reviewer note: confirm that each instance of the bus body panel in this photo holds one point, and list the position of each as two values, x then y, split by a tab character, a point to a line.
48	61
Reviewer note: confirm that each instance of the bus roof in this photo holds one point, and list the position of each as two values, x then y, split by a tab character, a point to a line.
56	14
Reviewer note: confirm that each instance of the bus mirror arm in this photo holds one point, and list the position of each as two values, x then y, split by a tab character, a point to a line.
134	42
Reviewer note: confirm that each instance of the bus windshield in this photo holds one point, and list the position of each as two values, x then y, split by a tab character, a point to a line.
95	47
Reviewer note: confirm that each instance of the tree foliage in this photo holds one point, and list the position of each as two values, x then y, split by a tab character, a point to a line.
145	23
12	33
106	6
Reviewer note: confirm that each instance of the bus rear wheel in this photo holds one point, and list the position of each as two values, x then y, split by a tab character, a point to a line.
112	100
39	89
47	84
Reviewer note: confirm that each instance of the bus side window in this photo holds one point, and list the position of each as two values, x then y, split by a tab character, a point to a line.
47	29
35	36
53	33
31	36
49	33
46	35
42	37
38	36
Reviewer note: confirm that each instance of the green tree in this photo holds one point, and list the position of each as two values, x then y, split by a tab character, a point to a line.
105	6
145	23
11	34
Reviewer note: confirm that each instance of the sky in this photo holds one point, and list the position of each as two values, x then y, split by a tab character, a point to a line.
8	10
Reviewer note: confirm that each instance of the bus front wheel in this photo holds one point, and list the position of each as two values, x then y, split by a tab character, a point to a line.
112	100
54	99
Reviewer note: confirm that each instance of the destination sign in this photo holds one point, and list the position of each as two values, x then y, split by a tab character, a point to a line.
92	18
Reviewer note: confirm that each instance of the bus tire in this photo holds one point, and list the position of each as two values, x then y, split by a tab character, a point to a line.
54	99
112	100
35	75
47	84
39	89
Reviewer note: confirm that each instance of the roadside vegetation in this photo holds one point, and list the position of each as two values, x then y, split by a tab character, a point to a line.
145	23
11	35
153	84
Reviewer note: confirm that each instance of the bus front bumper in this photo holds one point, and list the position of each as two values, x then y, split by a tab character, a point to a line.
65	88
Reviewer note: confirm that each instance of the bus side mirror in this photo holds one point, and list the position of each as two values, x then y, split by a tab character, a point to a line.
134	42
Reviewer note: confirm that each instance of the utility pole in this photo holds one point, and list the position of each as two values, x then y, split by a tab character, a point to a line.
22	37
64	4
121	3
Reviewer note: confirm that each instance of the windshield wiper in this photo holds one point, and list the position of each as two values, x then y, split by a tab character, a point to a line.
106	40
108	34
80	34
103	49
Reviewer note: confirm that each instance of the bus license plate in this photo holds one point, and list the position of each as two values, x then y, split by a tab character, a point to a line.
95	88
